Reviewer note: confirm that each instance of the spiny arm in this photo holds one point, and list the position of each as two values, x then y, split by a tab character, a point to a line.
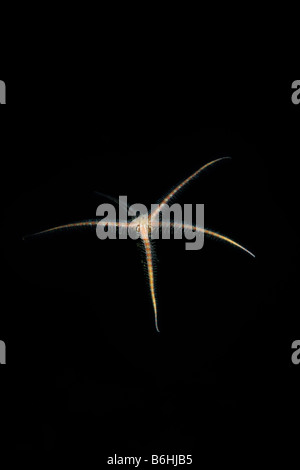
182	184
149	259
75	225
114	199
209	233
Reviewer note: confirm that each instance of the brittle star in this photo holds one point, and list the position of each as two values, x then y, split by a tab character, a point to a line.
144	224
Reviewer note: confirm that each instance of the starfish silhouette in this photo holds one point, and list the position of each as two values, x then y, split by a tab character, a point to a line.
145	225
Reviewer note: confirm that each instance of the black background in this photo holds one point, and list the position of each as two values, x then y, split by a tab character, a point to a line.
86	371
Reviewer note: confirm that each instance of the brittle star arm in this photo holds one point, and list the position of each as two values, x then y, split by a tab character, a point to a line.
195	228
150	273
114	199
77	225
179	226
181	185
